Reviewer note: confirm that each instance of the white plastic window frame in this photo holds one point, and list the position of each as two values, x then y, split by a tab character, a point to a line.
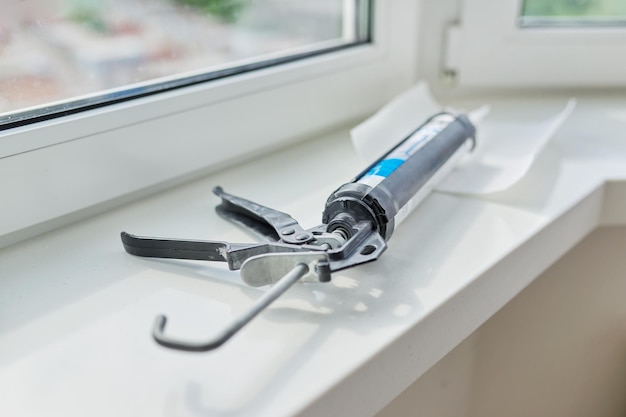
489	49
60	170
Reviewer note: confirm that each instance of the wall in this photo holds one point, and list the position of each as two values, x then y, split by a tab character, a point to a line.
558	349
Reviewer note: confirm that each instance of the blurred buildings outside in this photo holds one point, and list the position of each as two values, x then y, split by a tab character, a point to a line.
52	50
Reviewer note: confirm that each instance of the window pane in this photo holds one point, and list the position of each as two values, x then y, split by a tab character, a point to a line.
64	55
573	13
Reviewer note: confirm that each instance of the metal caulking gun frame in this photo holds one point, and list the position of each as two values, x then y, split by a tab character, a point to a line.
358	220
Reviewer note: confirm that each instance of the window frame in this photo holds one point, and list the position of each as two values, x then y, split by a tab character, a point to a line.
492	51
57	171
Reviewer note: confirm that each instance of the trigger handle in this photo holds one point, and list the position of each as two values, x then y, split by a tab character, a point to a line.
270	224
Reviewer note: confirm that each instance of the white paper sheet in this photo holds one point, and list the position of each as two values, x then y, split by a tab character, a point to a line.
504	152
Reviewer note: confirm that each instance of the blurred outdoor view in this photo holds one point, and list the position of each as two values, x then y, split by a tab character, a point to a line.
574	12
53	50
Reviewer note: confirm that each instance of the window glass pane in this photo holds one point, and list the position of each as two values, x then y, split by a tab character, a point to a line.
64	55
573	12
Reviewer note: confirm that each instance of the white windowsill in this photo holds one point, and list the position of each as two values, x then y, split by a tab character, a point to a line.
77	310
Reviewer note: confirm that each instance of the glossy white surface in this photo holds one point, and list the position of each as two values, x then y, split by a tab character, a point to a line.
76	310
